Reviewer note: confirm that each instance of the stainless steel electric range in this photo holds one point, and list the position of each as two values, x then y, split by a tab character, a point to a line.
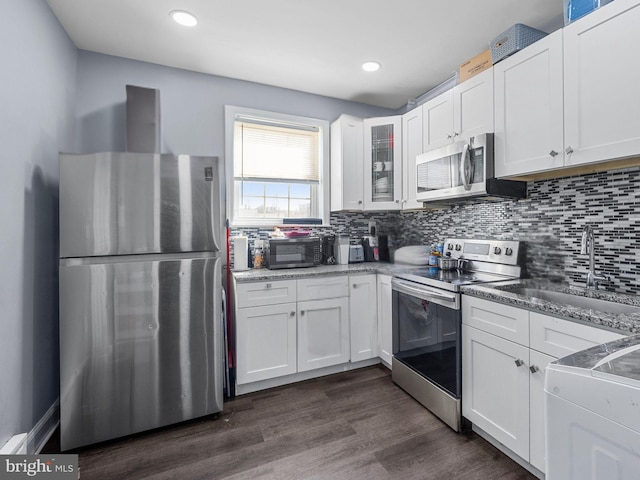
427	321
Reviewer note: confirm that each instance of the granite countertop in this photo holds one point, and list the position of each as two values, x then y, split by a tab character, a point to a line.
510	293
261	274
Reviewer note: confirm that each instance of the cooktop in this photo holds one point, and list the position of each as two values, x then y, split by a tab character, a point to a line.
483	261
450	279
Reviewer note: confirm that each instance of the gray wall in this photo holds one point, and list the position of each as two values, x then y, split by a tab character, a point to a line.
192	104
37	98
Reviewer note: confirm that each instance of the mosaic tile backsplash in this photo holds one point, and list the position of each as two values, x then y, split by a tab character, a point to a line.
550	223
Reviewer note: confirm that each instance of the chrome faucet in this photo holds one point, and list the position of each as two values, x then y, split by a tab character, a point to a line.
588	246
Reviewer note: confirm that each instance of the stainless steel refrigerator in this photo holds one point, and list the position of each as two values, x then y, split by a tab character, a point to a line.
141	252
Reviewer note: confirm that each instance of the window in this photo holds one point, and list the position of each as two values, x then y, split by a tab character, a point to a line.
277	167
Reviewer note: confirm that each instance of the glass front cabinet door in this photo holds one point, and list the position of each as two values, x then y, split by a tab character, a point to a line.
383	163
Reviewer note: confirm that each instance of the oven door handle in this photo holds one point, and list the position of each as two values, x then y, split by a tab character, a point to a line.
451	300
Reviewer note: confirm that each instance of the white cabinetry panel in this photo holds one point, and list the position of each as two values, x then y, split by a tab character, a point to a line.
323	287
502	320
495	389
473	106
601	95
529	109
411	148
559	338
363	316
323	333
265	293
538	361
385	312
347	163
266	342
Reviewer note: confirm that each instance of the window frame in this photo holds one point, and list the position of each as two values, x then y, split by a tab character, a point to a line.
322	191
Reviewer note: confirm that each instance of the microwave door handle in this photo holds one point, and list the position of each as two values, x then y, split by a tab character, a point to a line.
466	167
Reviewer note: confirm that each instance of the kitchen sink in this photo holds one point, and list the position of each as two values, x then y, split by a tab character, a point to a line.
579	301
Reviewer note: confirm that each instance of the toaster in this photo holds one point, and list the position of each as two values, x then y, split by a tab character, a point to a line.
356	253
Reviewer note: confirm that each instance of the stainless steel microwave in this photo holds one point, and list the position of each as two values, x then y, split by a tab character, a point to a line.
292	252
460	170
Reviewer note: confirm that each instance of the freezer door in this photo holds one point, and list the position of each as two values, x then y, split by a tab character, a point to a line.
135	203
140	346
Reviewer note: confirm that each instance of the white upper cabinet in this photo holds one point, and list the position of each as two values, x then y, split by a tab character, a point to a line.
366	163
601	94
382	163
347	164
570	99
473	106
411	147
528	109
437	121
459	113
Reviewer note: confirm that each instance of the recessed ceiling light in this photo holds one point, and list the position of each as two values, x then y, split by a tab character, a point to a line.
184	18
370	66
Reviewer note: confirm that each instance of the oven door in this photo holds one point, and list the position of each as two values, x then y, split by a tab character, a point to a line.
456	170
426	333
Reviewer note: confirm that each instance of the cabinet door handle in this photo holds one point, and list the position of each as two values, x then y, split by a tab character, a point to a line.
268	286
355	285
553	153
302	313
292	314
518	362
568	150
449	136
455	134
534	369
359	202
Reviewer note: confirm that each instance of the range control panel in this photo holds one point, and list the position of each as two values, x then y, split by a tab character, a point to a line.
496	251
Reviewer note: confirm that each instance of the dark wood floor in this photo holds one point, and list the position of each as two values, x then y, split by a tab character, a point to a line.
353	425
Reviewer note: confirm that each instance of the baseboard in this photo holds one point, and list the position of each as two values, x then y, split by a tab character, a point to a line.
34	441
42	431
508	452
298	377
17	445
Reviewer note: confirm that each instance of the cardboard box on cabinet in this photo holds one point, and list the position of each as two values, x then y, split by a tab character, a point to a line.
475	65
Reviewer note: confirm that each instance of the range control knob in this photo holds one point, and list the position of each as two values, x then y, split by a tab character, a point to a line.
497	250
449	246
508	251
458	247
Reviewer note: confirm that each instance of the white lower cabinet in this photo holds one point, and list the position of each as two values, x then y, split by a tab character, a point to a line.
385	313
539	362
505	352
266	342
363	315
495	391
285	327
323	333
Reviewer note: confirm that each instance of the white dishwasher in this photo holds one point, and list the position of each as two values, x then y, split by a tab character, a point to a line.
592	401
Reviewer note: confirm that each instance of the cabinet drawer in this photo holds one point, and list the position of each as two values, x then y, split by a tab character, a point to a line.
265	293
323	287
559	338
507	322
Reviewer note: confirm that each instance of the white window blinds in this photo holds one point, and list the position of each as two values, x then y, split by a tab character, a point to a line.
270	152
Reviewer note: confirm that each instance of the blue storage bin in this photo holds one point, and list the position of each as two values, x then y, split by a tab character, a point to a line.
574	9
512	40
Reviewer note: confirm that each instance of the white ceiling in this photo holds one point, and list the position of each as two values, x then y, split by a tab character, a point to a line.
316	47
